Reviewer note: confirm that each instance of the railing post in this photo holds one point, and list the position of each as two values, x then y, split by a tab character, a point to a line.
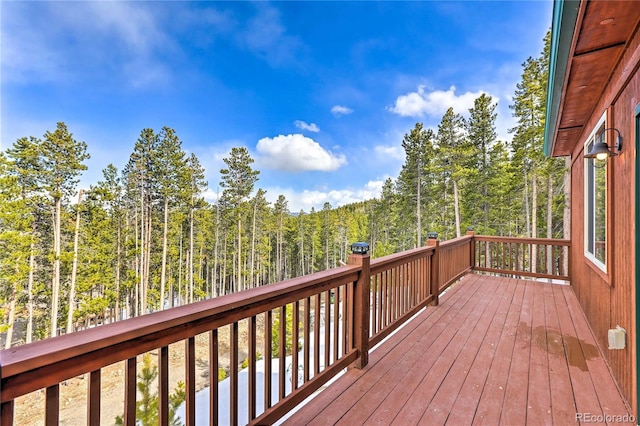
6	408
472	254
361	303
435	268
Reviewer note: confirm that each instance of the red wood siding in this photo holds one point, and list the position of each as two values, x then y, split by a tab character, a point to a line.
608	299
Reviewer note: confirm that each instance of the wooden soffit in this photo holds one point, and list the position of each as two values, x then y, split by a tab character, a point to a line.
603	30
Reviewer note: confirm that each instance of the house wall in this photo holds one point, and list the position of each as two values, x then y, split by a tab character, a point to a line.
609	299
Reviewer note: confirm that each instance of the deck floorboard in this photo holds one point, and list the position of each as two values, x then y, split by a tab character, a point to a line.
495	351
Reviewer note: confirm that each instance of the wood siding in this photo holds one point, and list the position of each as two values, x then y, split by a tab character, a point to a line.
608	298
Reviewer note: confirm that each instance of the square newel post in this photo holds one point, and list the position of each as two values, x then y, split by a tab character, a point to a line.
435	267
472	253
361	303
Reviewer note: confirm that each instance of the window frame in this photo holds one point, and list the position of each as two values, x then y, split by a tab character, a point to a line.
590	200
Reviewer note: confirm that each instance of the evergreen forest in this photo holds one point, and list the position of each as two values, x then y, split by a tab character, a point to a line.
144	239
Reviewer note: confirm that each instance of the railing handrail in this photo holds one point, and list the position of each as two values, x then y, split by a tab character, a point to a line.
61	355
391	260
454	242
522	240
400	277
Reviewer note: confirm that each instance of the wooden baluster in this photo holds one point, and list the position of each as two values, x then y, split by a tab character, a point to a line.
379	316
327	328
295	361
307	338
130	391
52	406
233	374
213	377
282	353
388	296
252	368
190	376
93	403
6	413
316	335
336	323
163	385
346	320
268	323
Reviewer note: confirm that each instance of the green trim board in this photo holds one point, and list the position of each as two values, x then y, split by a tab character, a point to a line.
637	206
565	16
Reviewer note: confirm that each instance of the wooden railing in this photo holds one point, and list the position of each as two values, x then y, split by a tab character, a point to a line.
524	257
456	259
401	285
324	323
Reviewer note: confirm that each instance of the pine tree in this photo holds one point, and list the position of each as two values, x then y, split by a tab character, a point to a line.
196	184
140	186
454	167
414	180
238	180
481	130
16	241
61	162
170	165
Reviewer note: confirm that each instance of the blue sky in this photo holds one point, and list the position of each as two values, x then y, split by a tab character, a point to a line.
321	93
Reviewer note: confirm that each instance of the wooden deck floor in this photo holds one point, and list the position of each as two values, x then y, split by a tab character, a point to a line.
496	351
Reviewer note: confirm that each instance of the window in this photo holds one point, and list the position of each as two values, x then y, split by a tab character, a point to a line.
596	202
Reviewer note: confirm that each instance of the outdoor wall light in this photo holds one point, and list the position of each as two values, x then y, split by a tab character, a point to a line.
432	235
359	248
601	151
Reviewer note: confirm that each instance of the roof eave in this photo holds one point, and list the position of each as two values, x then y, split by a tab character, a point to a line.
565	14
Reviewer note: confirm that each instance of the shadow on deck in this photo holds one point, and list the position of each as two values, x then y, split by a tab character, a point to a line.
495	351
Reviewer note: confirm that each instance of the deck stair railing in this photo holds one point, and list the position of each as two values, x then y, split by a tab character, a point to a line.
308	328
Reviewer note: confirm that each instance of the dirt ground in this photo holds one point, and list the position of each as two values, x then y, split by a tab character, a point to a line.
29	409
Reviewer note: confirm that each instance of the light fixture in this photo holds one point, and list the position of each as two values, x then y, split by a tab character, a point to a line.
359	248
601	151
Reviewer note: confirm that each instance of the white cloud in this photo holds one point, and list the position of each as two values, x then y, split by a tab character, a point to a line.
386	151
311	127
435	103
306	199
339	110
267	37
71	40
296	153
210	195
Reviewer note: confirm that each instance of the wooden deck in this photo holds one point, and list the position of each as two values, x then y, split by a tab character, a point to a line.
495	351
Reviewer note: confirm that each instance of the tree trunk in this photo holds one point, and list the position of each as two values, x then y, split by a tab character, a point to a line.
418	207
253	247
141	296
527	220
216	280
55	280
32	265
147	258
534	220
191	226
12	315
118	266
163	271
239	254
74	269
567	211
456	207
180	270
